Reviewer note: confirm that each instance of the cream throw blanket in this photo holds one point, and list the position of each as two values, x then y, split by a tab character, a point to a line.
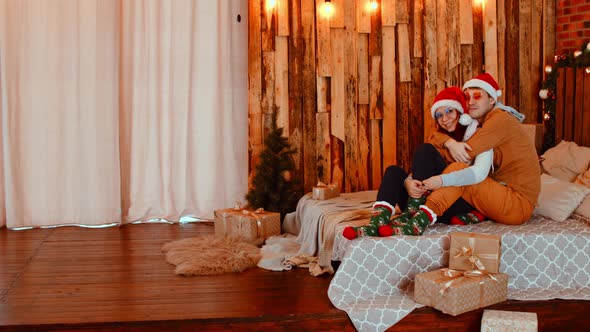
314	224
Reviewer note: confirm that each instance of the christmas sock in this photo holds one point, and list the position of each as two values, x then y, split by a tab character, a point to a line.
382	212
414	226
473	217
414	204
381	216
394	228
352	233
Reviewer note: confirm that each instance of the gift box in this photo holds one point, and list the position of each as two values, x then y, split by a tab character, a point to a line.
474	251
454	292
247	224
325	191
505	321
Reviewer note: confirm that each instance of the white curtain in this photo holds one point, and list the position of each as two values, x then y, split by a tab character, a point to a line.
59	108
117	111
184	118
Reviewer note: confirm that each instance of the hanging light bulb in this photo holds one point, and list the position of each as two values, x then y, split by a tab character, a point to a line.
372	6
588	70
577	53
328	9
271	4
546	116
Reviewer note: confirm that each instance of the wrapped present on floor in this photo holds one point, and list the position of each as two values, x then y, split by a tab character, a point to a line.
325	191
508	321
247	224
455	292
474	251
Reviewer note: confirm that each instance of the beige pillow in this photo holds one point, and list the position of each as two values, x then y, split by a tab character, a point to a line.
566	160
584	178
558	199
584	208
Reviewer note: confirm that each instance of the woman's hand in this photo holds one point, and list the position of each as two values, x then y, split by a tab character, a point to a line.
458	150
433	182
414	188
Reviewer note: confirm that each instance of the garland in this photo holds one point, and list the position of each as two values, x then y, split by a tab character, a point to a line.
576	59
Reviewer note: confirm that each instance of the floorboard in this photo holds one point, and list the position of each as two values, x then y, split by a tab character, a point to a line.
117	279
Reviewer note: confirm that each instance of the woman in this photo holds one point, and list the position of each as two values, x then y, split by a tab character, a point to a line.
408	192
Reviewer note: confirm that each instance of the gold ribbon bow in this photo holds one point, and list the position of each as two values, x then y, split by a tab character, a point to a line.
474	259
455	276
256	215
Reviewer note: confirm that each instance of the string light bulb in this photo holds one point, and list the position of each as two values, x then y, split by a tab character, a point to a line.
328	9
544	93
587	69
546	116
548	69
577	53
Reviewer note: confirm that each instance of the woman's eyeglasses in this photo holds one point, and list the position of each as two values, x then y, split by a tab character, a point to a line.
476	95
447	112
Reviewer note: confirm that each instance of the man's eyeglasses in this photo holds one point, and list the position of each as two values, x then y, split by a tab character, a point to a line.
447	112
476	95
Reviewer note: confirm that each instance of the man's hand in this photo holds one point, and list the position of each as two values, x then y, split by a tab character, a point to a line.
433	182
414	188
458	150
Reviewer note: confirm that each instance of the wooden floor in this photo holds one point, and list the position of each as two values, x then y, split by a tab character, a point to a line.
116	279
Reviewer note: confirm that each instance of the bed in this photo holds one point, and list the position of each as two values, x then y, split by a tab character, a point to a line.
546	258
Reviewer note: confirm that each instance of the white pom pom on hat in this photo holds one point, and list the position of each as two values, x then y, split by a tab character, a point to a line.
465	119
452	97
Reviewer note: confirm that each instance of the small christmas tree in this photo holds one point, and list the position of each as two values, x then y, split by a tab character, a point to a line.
273	188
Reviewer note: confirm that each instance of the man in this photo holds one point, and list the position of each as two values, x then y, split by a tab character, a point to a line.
511	191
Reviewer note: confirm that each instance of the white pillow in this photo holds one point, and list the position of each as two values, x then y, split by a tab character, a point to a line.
558	199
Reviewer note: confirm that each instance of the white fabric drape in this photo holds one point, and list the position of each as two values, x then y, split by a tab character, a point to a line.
59	106
184	125
116	111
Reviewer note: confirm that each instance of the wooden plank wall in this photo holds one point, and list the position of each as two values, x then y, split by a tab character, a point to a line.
572	109
354	90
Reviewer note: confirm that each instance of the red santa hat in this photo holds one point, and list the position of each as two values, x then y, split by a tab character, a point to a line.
452	97
485	82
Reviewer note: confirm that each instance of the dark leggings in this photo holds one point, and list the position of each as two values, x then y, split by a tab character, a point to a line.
427	162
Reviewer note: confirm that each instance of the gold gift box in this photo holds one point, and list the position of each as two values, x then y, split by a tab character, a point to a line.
475	251
504	321
247	224
325	191
455	292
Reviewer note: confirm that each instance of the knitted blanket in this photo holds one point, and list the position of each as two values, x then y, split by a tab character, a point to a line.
314	222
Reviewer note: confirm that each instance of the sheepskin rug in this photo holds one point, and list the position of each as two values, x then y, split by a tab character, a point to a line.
210	255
